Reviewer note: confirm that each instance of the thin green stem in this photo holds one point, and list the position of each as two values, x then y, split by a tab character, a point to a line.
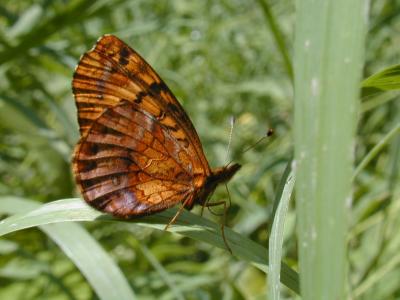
276	32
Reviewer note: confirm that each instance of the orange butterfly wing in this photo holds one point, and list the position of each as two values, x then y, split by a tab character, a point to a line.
113	72
139	152
124	164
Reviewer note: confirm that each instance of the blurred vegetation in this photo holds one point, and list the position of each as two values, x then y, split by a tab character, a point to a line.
221	59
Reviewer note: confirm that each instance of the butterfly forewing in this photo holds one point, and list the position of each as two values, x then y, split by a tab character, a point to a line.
136	68
113	72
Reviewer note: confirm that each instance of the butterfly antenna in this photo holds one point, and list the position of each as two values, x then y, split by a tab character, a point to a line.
269	133
232	123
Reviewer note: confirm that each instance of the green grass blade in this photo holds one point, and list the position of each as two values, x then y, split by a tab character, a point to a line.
377	276
276	32
380	99
385	80
376	149
96	265
188	224
281	188
90	258
72	13
162	272
33	123
329	42
276	238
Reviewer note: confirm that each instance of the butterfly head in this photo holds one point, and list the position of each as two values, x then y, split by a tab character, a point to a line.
222	174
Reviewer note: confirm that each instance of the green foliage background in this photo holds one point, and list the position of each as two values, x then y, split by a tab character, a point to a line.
220	58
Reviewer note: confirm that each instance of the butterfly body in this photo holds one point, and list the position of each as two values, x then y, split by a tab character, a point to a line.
139	152
206	187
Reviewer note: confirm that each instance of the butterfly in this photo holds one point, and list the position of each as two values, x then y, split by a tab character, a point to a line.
139	152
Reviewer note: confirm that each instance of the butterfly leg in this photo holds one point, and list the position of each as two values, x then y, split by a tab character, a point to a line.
214	213
202	208
172	221
208	205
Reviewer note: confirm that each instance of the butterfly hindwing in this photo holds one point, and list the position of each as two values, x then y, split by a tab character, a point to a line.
124	164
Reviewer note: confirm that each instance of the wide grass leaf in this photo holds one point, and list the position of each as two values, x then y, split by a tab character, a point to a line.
96	265
188	224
